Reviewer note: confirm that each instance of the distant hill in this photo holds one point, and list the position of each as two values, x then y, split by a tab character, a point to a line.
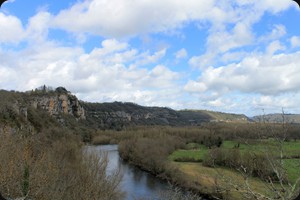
219	116
278	118
68	110
120	114
116	114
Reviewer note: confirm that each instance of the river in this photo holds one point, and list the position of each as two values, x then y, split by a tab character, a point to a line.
135	182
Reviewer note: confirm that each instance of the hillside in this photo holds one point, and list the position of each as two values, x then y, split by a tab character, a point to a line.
278	118
60	104
41	140
119	114
217	116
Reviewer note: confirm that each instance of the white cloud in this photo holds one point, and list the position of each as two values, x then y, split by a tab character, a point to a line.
38	25
181	54
260	74
164	77
274	6
272	104
11	29
147	58
116	71
295	41
193	86
277	32
113	45
7	76
221	44
274	47
104	73
120	18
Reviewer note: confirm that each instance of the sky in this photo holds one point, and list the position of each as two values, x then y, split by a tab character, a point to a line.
236	56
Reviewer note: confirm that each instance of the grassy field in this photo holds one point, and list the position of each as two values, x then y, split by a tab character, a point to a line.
197	151
209	180
192	151
293	169
207	177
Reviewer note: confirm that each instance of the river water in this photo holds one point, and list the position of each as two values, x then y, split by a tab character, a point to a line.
135	182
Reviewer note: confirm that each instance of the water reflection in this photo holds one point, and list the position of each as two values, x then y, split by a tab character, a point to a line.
135	182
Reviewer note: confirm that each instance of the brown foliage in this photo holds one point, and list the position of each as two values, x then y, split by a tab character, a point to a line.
149	153
56	170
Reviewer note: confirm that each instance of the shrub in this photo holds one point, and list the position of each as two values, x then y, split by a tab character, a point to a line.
43	168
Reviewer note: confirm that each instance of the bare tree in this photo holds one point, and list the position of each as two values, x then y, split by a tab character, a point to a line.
267	163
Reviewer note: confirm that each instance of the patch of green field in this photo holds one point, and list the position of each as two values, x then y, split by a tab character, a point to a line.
186	154
197	152
292	166
193	151
292	148
228	144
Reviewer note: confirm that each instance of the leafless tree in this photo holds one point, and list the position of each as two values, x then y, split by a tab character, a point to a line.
276	183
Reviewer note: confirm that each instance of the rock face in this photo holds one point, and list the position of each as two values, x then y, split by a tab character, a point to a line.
59	103
116	114
146	116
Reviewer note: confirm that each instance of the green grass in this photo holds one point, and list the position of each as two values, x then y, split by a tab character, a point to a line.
198	151
183	154
291	149
193	150
191	146
292	166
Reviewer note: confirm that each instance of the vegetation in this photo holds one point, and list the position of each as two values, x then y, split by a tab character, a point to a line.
38	167
224	171
42	156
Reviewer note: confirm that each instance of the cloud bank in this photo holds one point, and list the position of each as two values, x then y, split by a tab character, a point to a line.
95	49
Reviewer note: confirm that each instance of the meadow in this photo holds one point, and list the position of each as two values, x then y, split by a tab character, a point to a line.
227	161
228	179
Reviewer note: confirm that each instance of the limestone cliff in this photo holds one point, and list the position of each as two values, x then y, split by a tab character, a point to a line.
25	111
117	114
58	102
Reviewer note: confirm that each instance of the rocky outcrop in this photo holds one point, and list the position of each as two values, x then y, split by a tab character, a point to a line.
110	115
21	112
59	103
162	114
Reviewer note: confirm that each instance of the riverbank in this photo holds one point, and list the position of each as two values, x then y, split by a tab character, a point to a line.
215	169
137	183
151	155
210	182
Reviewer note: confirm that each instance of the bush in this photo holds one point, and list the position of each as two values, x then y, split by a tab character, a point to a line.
253	164
149	153
53	169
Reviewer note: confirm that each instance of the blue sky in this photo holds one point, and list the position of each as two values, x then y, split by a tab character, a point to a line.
238	56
